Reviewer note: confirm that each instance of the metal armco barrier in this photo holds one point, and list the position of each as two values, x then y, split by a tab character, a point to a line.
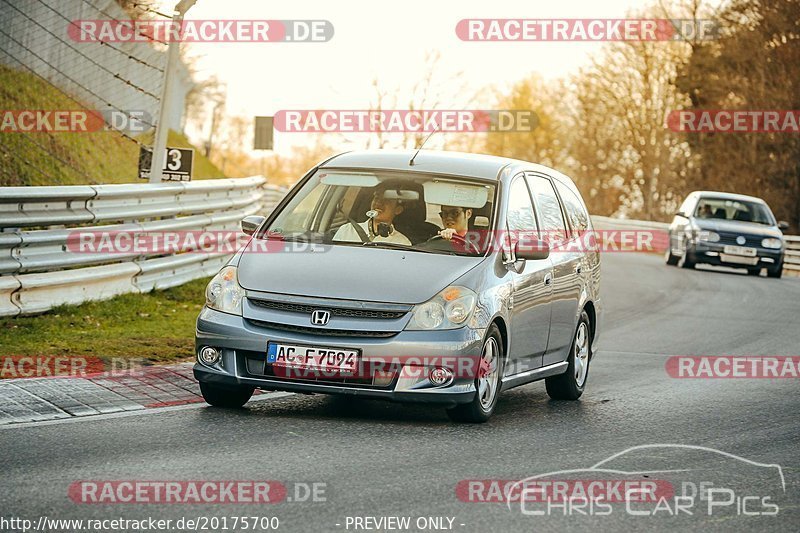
39	272
791	261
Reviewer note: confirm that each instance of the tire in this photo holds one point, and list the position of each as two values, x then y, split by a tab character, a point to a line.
687	259
231	397
480	409
669	257
775	272
753	271
571	384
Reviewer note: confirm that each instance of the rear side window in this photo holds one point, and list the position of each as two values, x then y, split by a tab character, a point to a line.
576	213
555	230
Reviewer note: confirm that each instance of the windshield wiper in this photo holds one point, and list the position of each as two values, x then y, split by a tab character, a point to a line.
292	237
396	246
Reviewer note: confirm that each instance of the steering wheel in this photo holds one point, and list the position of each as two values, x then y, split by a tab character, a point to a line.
460	240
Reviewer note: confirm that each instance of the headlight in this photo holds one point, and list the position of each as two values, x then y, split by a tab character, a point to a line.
772	242
224	292
450	309
708	236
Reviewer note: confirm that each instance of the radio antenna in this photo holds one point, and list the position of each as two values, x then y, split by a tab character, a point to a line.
411	163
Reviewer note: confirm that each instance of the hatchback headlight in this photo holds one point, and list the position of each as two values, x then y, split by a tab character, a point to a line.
224	293
772	242
708	236
450	309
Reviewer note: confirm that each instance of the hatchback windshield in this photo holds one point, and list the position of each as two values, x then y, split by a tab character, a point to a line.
416	212
742	211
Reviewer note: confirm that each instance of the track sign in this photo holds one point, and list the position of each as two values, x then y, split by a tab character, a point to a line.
263	134
177	164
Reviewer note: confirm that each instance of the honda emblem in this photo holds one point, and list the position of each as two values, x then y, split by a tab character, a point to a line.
320	317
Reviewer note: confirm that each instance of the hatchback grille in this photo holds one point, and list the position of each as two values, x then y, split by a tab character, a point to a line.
335	311
323	331
730	238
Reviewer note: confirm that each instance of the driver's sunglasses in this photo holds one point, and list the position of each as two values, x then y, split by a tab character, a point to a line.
451	213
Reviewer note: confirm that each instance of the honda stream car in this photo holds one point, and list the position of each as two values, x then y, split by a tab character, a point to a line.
725	229
434	277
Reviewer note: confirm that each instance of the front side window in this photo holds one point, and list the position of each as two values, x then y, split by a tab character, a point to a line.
415	211
520	209
549	209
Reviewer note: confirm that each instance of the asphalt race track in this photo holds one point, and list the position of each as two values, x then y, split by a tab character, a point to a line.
383	460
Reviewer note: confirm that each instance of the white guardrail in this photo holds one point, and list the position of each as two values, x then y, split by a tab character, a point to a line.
39	272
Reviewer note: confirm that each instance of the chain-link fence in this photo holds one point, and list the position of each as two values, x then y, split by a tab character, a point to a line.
76	111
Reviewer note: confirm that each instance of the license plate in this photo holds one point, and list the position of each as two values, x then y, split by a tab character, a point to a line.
336	360
738	259
740	250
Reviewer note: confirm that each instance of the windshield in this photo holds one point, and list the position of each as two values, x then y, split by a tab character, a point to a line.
418	212
737	210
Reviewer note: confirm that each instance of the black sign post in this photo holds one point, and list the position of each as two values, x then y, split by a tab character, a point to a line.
178	164
262	140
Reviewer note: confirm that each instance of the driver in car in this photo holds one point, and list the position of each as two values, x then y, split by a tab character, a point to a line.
379	226
455	221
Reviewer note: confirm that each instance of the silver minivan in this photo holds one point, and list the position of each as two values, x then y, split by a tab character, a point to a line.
435	277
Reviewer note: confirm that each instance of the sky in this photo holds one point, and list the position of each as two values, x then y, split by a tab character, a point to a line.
384	40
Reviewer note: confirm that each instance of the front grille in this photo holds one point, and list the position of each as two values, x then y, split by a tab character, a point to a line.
256	366
730	238
335	311
322	331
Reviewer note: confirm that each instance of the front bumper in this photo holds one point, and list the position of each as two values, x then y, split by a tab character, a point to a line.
243	345
713	254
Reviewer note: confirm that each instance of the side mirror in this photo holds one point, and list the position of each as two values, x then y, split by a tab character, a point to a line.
681	214
783	225
533	252
251	224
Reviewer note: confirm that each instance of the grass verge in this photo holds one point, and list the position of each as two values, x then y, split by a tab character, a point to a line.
70	158
157	327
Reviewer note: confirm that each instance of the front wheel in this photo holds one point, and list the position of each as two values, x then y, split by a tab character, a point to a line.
775	272
670	258
570	384
687	259
487	382
220	396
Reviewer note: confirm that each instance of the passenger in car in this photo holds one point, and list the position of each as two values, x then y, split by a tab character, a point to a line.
379	227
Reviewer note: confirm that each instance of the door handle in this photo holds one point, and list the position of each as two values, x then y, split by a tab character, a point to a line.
548	279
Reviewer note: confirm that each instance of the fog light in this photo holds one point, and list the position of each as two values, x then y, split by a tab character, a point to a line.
440	376
209	355
382	378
